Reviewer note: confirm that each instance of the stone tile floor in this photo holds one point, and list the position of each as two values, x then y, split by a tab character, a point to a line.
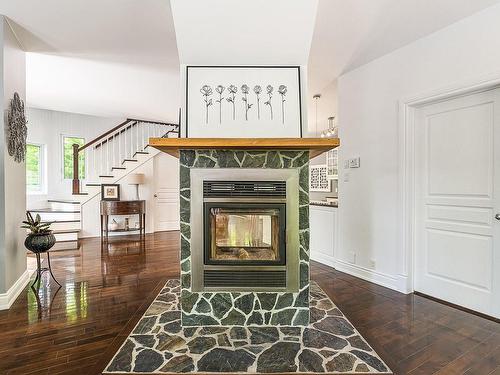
330	344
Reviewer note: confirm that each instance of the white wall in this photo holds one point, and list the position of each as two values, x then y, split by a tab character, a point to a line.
48	127
327	106
369	213
281	35
12	174
258	32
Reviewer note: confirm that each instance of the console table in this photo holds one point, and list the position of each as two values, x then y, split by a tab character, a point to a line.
136	207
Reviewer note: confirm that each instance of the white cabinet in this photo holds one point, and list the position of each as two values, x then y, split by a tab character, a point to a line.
323	233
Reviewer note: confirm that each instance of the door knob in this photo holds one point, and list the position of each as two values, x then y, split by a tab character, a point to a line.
497	216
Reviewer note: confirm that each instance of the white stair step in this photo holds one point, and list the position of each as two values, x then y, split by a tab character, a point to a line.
65	245
64	204
66	225
57	215
66	235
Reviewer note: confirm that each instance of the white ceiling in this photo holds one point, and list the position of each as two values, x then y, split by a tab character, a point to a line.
102	57
119	57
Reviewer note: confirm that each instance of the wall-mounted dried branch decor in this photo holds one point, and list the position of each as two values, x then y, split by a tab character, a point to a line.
17	130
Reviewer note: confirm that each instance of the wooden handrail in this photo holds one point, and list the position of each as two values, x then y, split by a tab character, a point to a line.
152	122
117	133
103	135
128	123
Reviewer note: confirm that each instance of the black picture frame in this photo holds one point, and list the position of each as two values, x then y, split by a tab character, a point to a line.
104	186
297	67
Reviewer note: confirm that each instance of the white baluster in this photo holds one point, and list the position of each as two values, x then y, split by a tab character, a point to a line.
119	150
107	156
143	139
124	151
94	170
131	142
137	136
100	159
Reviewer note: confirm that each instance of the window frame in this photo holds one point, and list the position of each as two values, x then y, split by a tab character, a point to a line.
43	170
63	136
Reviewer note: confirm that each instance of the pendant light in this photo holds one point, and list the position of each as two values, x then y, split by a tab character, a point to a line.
316	98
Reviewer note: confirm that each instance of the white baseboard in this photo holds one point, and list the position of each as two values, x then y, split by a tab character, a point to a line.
8	298
397	283
323	259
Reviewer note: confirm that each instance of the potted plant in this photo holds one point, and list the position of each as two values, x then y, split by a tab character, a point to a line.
40	239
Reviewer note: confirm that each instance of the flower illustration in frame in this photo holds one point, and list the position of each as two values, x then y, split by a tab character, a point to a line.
206	91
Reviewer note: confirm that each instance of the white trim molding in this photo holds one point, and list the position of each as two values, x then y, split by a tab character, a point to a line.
323	259
8	298
406	124
397	283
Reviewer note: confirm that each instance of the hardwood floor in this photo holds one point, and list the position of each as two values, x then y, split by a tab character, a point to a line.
103	294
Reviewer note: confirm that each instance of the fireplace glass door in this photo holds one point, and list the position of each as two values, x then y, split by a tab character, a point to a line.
245	233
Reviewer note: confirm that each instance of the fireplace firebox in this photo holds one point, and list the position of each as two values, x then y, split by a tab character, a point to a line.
244	233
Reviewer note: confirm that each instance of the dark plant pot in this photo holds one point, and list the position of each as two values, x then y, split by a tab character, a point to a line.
39	242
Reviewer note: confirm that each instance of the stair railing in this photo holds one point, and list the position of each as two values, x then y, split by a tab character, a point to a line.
117	145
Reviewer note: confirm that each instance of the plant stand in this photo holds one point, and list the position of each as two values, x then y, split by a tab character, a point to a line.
40	270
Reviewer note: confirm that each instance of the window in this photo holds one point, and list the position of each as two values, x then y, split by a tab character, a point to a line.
68	143
34	168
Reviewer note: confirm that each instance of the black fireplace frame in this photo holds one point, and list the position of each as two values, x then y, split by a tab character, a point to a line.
207	238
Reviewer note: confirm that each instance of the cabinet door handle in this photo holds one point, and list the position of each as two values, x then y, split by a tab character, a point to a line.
497	216
156	195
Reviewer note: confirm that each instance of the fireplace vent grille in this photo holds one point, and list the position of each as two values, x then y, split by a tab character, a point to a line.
244	279
244	189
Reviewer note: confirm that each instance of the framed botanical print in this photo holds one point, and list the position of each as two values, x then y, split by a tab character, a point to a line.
318	178
243	101
110	192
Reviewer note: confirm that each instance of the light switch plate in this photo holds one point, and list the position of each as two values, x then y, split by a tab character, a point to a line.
354	162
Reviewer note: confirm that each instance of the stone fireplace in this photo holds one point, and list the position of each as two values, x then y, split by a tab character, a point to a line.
244	237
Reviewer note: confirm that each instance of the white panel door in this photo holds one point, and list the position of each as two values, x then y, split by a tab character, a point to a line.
166	197
457	256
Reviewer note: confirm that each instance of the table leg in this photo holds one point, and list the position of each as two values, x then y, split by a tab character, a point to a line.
106	219
144	225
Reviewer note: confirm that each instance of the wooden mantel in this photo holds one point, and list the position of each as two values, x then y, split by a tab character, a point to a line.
316	146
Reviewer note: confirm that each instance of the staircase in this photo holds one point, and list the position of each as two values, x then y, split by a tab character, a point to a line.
108	159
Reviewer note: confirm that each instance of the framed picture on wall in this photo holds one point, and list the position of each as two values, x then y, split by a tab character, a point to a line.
318	178
243	101
110	192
